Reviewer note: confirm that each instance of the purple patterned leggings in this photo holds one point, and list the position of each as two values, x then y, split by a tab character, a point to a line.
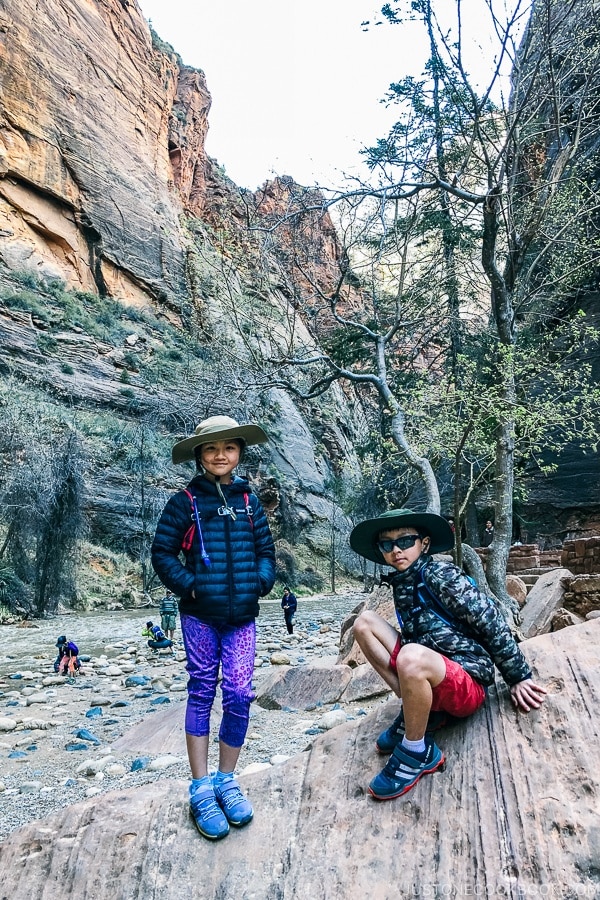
233	647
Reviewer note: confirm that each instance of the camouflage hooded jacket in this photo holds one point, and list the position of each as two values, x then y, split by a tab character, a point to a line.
480	637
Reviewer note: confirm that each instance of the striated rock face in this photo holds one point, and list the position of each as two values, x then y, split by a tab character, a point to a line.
514	814
86	183
102	147
105	185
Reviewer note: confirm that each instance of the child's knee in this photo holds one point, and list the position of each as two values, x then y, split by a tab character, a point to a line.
364	624
238	700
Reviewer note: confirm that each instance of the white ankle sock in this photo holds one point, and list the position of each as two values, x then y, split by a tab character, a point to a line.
414	746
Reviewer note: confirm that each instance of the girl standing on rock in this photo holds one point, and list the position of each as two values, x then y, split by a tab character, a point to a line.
221	527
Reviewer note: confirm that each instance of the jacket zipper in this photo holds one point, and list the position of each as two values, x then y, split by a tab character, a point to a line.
227	522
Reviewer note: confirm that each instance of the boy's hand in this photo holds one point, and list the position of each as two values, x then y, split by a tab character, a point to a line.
527	695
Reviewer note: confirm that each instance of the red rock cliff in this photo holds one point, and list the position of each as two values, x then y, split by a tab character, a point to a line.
89	118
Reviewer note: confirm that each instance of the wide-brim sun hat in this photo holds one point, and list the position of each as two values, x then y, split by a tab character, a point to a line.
216	428
363	538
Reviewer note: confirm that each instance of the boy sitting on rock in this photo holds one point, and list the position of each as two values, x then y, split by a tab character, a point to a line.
451	636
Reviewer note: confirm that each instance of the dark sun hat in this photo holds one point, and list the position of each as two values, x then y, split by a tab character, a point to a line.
217	428
363	538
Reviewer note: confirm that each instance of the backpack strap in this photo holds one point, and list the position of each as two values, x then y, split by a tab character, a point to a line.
424	596
249	510
188	538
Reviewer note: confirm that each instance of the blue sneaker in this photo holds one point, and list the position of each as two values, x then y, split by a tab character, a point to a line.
403	769
207	814
393	735
229	796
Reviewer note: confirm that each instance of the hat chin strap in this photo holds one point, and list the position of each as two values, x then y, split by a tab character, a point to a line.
224	510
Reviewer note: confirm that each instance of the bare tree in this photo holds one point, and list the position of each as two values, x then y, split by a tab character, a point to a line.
42	504
481	218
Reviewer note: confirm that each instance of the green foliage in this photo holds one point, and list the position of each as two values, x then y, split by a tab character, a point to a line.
28	302
27	279
162	46
285	564
311	579
46	344
347	347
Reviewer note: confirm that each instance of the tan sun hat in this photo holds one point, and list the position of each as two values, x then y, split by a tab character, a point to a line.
216	428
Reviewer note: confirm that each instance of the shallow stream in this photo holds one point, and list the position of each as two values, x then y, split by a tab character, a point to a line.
93	631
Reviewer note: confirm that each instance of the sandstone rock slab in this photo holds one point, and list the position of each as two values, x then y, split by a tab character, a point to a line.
514	814
365	683
517	589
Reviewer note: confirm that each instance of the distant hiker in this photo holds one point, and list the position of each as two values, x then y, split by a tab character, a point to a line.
69	662
61	644
158	639
168	614
289	605
488	534
442	660
229	563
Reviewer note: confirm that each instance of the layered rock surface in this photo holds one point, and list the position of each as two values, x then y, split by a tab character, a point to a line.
514	813
87	186
103	179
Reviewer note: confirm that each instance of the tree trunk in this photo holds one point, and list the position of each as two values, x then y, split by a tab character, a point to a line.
497	559
503	312
419	463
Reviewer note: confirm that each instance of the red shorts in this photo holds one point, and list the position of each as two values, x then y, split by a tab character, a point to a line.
458	694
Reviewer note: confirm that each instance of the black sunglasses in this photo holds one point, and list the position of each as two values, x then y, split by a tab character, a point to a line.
402	543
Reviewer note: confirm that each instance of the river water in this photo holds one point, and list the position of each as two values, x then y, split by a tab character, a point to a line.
93	631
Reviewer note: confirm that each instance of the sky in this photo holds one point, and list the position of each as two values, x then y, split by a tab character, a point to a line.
296	86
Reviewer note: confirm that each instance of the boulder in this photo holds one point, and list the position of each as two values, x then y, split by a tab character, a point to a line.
380	601
517	589
543	600
563	618
160	734
346	637
303	686
514	814
582	593
365	683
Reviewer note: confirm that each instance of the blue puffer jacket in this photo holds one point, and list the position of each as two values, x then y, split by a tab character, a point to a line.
241	552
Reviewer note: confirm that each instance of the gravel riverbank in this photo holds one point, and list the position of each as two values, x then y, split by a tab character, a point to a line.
57	736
